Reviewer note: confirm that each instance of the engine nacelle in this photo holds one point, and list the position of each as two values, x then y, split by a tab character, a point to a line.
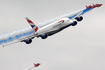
44	36
79	18
28	41
74	23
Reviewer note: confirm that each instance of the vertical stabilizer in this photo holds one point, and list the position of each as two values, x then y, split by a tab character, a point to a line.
35	27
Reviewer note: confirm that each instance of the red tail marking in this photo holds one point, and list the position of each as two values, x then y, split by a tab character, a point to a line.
36	29
29	21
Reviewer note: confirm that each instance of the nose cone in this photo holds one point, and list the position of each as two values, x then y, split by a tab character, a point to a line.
39	64
101	4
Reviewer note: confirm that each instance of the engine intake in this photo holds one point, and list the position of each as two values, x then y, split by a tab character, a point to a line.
28	41
44	36
74	23
79	18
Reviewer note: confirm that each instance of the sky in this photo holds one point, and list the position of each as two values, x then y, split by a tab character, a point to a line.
80	47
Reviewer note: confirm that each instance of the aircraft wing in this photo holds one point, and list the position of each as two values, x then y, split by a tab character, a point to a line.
81	12
32	37
22	39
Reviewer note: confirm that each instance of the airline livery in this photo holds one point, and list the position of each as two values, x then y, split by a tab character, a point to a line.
55	26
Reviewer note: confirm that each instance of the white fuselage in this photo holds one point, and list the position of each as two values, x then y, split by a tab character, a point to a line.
54	26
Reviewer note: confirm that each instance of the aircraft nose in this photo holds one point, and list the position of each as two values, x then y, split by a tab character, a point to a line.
101	4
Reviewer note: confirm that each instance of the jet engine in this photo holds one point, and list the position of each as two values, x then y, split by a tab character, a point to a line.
79	18
74	23
28	41
44	36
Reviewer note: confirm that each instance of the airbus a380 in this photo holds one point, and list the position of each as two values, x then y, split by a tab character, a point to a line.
48	29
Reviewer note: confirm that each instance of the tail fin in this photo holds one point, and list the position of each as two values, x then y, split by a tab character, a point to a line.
35	27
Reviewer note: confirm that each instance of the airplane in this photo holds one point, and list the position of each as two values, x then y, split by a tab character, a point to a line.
97	5
58	24
35	65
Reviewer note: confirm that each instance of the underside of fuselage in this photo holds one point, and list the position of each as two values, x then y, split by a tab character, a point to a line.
56	31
